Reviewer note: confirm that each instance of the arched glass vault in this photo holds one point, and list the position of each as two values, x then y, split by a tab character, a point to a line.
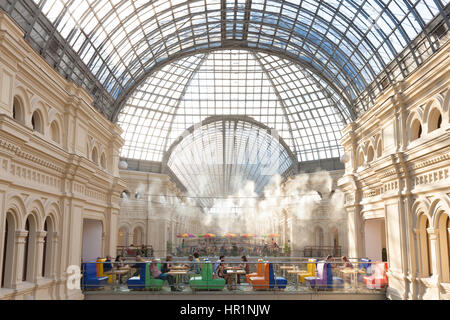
110	47
216	157
283	95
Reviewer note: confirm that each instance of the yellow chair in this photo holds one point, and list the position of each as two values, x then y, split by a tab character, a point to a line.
310	270
111	277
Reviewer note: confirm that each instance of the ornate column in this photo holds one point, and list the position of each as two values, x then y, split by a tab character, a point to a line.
40	235
17	270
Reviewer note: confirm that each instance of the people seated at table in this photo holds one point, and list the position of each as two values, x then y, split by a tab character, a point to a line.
107	265
245	266
221	272
193	267
119	263
346	262
137	266
167	266
163	276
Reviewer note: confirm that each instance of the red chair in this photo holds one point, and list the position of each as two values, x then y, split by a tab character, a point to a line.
378	280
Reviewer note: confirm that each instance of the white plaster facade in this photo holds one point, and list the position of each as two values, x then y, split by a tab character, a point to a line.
58	166
397	169
154	205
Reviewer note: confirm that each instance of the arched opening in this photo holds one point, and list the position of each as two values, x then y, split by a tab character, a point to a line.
425	246
444	238
335	242
434	120
370	154
25	251
360	159
415	131
138	236
379	149
94	155
18	111
54	130
125	194
36	122
123	237
8	251
103	161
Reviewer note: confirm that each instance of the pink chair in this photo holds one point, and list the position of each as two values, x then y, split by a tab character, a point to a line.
378	280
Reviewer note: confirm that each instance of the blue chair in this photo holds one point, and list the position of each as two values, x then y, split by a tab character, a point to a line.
276	282
332	281
138	282
365	264
90	278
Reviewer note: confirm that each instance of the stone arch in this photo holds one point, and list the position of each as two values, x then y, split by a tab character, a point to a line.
433	111
123	234
414	128
8	252
138	234
16	204
21	93
36	205
370	153
94	155
39	108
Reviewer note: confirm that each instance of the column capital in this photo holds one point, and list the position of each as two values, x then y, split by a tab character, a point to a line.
41	234
21	234
433	233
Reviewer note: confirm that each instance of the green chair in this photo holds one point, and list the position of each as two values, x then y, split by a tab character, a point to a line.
206	281
150	282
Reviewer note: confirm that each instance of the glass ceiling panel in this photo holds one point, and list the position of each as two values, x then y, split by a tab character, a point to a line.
218	157
350	43
307	114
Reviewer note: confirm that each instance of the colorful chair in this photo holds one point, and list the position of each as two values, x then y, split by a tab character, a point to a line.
320	279
152	283
261	282
366	267
259	271
310	270
324	278
276	282
379	278
138	282
206	281
100	272
90	278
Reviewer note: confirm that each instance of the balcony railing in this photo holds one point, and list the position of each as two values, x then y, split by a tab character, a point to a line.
273	275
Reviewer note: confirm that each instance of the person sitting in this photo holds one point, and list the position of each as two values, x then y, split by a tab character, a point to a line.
166	266
137	266
107	265
244	266
221	272
163	276
347	263
193	268
118	263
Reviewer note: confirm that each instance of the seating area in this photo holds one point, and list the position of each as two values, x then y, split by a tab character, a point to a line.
206	280
311	275
91	278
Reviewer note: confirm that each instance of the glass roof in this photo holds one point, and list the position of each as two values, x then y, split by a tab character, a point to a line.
217	157
111	46
307	114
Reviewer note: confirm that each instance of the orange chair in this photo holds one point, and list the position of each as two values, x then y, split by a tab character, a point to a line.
259	271
261	282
